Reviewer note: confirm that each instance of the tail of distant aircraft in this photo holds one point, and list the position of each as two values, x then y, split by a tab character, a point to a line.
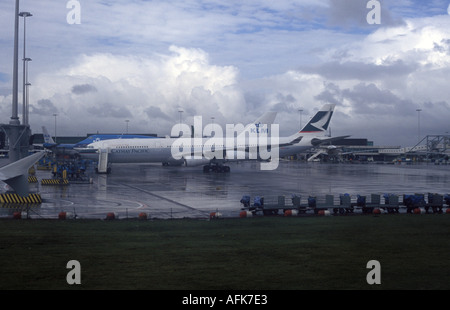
266	119
316	128
47	138
320	121
16	173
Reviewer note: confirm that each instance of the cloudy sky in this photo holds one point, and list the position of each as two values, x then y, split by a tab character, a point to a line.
233	60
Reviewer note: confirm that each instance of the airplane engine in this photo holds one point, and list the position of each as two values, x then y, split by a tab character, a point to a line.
191	162
332	150
179	162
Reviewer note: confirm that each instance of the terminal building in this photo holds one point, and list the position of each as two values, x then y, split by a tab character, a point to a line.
432	148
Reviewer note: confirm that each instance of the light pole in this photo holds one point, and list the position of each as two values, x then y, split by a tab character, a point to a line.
14	117
180	110
418	125
27	105
55	115
24	15
300	111
26	91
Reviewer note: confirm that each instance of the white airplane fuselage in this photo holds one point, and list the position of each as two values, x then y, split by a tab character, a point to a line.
198	150
203	151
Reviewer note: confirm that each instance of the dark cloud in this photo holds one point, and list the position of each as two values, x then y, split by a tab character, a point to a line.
109	110
368	99
443	46
353	70
83	88
43	107
155	112
285	103
331	94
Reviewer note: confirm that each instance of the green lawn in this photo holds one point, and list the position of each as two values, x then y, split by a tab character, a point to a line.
270	253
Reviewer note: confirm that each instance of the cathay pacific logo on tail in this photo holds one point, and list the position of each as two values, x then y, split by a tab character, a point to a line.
319	122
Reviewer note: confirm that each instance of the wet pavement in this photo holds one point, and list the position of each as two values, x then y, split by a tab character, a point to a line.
178	192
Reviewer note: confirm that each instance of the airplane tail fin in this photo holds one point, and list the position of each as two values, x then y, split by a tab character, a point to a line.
320	121
266	119
317	124
16	173
47	138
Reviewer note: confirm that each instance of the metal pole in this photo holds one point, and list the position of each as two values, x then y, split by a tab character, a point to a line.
27	105
24	64
27	91
55	125
300	110
24	15
418	125
14	117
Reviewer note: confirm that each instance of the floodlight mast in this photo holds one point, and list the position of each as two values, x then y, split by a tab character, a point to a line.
25	59
14	117
18	134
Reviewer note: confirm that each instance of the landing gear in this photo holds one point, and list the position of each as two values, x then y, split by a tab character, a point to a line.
216	168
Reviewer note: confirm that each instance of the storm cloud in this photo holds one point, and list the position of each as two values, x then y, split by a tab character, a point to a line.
82	89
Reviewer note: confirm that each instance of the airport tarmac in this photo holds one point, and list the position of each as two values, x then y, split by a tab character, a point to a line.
187	192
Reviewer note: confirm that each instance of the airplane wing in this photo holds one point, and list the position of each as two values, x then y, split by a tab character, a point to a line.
295	141
16	173
318	141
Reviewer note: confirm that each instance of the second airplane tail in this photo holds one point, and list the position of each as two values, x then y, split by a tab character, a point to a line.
47	138
320	121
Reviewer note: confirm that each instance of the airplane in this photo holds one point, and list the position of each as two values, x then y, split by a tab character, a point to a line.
69	149
15	174
221	150
313	134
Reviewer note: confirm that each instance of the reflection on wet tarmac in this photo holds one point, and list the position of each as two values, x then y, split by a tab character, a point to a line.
177	192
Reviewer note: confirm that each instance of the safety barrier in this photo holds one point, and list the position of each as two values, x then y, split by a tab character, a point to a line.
9	198
32	179
54	182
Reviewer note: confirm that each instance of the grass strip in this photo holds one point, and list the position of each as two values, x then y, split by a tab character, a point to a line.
267	253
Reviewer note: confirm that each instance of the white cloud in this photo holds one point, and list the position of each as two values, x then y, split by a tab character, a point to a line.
131	87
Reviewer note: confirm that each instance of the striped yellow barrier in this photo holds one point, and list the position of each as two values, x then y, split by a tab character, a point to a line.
32	179
14	198
19	206
54	182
